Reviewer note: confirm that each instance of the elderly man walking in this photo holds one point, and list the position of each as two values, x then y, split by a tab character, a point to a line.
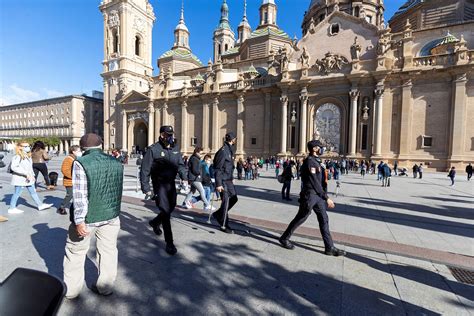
97	182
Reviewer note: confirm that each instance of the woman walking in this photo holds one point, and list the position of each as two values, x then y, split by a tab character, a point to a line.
23	177
39	157
452	175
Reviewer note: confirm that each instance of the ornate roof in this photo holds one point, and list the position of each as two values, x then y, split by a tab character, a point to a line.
448	39
313	3
269	31
231	51
182	54
407	6
224	21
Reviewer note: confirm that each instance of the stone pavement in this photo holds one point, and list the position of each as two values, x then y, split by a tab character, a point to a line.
218	274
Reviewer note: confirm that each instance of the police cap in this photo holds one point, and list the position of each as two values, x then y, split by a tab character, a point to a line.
314	143
167	129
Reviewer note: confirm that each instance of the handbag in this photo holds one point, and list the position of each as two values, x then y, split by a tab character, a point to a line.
280	178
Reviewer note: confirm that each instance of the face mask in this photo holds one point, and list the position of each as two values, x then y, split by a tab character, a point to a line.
170	140
27	149
78	154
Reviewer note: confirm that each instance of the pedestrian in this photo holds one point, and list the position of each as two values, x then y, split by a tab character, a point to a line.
415	170
286	177
387	173
162	163
223	167
452	175
363	168
206	176
23	176
240	168
313	197
267	162
420	170
195	181
277	168
395	167
469	172
39	157
66	169
97	184
380	171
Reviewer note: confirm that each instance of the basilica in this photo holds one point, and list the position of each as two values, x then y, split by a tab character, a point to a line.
397	90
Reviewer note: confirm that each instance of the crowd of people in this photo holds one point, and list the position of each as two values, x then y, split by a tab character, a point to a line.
94	189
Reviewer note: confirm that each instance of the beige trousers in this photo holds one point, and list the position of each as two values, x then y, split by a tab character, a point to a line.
107	258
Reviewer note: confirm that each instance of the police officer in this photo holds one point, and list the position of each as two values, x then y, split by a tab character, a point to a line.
223	170
163	162
313	197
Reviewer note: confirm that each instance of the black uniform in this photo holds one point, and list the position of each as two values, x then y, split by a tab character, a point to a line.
223	170
162	164
312	197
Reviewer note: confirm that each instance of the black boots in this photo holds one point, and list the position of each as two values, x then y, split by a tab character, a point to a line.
334	252
171	249
156	228
285	243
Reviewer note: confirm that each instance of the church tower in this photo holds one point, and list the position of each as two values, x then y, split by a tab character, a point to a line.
244	30
268	14
127	63
224	37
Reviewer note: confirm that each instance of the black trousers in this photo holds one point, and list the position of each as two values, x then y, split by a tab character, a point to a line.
67	199
285	190
309	202
229	198
41	167
166	202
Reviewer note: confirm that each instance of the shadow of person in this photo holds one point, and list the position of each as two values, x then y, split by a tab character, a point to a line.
50	244
21	201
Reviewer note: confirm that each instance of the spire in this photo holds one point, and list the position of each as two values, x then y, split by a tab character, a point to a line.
224	21
182	25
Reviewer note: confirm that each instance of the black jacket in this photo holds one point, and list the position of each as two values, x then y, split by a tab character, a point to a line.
206	176
194	169
312	177
224	164
287	173
162	164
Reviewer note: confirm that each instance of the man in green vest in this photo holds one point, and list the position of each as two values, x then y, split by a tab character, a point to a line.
97	183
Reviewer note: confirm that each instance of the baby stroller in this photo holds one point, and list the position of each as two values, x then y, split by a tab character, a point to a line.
403	172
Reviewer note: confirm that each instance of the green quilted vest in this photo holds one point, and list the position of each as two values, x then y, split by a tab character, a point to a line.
104	185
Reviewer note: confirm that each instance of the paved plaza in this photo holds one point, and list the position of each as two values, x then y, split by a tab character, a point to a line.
400	241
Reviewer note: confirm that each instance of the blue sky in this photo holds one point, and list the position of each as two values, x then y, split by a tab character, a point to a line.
51	48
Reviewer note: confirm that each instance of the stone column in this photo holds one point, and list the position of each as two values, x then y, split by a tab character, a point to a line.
157	124
106	116
378	120
151	123
303	120
61	147
240	125
66	146
458	118
268	121
353	121
184	126
205	125
284	123
406	119
215	125
124	130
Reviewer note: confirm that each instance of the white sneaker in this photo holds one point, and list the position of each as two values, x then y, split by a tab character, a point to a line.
210	208
188	205
14	211
44	206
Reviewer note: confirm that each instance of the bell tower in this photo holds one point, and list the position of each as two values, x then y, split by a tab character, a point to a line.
127	63
224	37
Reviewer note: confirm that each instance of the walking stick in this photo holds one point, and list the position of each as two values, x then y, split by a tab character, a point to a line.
226	208
212	204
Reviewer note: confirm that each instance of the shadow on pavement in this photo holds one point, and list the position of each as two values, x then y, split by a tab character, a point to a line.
223	278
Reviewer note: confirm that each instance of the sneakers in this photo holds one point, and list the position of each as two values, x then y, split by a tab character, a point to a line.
62	211
44	206
285	243
188	205
210	208
96	291
14	211
171	249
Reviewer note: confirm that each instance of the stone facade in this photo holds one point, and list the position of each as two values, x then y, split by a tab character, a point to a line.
67	118
366	90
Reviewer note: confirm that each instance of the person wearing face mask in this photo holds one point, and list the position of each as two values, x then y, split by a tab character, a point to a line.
224	169
66	168
23	176
313	197
162	162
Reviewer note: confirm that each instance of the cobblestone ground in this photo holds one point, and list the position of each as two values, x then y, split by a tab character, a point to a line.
251	274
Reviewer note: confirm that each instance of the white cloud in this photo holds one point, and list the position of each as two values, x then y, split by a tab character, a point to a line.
14	94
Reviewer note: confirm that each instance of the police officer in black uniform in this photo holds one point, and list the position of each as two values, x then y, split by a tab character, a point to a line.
313	197
223	171
163	162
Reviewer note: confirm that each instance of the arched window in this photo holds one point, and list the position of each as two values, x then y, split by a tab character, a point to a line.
226	47
116	41
137	45
357	11
219	49
265	17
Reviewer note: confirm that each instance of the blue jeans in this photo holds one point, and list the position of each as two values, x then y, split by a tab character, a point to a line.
16	195
207	191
